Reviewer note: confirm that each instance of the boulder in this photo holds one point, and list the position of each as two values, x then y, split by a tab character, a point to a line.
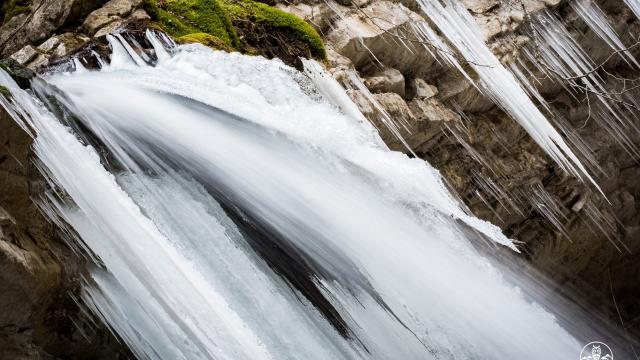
69	43
396	107
57	47
381	33
432	110
25	55
386	81
114	10
41	61
49	44
109	29
46	17
420	89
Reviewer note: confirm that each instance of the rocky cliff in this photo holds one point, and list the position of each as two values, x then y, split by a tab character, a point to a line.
584	240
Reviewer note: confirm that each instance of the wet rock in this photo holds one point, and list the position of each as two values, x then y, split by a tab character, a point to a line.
114	10
25	55
47	17
139	14
41	61
20	74
38	271
57	47
386	81
50	44
111	28
69	43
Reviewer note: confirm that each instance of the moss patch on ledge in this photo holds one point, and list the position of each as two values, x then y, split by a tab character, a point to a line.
205	39
242	25
12	8
272	21
183	17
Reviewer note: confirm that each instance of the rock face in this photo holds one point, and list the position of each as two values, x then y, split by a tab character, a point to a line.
46	18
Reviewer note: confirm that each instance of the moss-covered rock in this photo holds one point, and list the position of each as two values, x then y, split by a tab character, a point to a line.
184	17
205	39
242	25
272	22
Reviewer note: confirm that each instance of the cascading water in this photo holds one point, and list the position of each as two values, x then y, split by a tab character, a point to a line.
234	212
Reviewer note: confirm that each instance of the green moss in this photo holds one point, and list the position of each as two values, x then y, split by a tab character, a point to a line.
184	17
276	20
205	39
193	20
12	8
4	91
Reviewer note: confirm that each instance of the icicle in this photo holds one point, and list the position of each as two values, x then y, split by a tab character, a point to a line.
99	59
549	208
558	55
356	84
120	57
634	5
453	130
158	47
500	84
597	21
79	68
430	39
491	188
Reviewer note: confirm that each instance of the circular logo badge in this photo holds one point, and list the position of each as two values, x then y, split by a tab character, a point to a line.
596	350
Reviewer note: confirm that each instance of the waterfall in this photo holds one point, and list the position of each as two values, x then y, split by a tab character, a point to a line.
235	208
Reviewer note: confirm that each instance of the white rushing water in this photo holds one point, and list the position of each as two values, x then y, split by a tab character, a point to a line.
240	214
